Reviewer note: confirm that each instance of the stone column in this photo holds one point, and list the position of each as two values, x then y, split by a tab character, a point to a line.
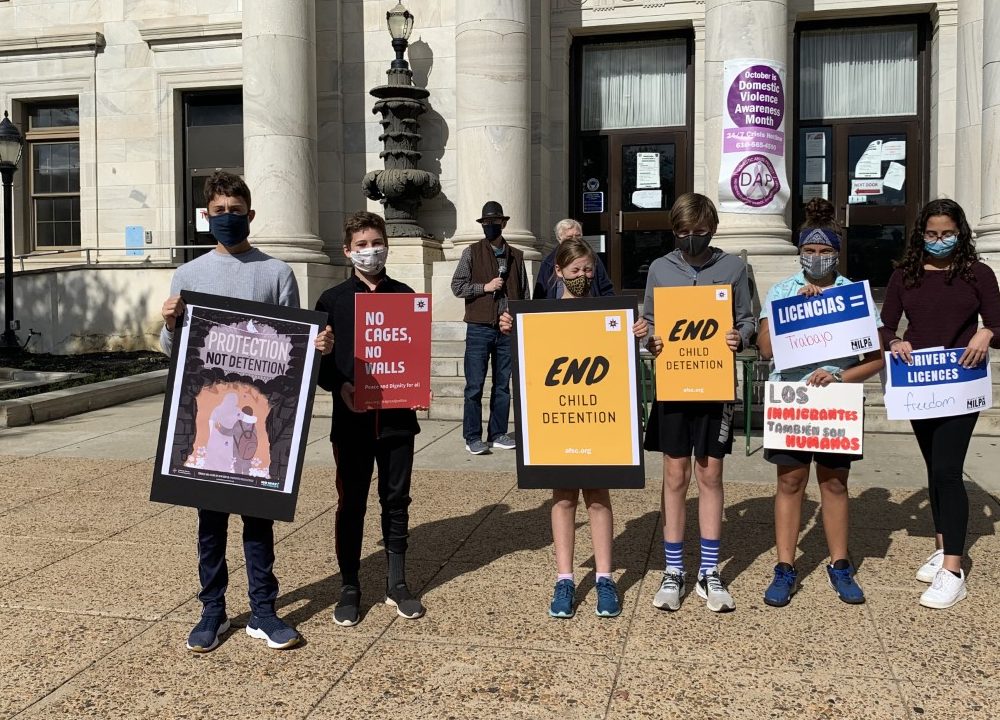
747	29
989	226
493	128
969	108
279	127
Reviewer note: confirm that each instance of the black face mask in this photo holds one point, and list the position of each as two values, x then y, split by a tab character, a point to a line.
229	229
694	245
492	231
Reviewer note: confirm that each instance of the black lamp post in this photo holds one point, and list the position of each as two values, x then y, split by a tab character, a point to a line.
11	144
400	23
401	185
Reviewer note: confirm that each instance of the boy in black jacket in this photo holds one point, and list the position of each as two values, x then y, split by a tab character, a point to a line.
361	439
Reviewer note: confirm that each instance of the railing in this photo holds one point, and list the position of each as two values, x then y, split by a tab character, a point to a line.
92	254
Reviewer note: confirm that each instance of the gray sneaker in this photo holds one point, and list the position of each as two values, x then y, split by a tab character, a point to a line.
504	442
668	597
476	447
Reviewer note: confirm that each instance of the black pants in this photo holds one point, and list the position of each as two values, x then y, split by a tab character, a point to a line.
356	460
258	549
944	443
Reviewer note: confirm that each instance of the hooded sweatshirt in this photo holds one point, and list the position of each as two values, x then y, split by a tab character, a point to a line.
672	270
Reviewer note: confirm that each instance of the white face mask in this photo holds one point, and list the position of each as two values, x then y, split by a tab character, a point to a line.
370	260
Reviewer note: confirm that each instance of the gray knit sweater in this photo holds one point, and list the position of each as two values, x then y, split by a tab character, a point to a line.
251	275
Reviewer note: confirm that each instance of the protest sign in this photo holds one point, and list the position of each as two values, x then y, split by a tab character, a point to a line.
827	419
392	350
752	177
935	385
838	323
696	363
237	407
576	395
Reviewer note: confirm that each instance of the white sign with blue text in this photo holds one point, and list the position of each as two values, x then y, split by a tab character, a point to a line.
838	323
935	385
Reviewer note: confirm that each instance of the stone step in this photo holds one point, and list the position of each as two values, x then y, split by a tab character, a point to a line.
443	387
448	330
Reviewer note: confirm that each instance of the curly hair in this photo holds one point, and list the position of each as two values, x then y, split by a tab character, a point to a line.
821	214
223	184
962	260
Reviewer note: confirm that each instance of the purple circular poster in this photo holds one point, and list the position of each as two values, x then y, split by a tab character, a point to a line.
757	98
754	181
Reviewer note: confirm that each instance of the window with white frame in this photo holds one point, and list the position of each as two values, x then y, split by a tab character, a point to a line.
53	154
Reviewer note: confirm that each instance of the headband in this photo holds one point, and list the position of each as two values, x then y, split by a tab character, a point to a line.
819	236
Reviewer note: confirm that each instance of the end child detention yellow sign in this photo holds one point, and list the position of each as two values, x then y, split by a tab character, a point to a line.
696	363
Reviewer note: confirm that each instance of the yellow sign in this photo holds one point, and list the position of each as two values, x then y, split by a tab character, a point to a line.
577	389
696	363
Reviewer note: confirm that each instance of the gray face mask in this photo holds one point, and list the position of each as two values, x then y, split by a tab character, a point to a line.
816	267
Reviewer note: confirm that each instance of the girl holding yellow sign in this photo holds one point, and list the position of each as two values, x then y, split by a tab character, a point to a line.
574	267
819	253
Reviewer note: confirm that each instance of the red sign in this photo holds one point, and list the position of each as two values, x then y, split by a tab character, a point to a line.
392	351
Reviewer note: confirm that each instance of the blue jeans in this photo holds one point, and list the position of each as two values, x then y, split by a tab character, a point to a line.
486	345
258	549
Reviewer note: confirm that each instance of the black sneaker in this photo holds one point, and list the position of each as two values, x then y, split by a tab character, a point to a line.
406	605
348	610
205	636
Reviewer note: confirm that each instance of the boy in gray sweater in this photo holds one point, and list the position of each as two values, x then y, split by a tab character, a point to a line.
235	269
704	429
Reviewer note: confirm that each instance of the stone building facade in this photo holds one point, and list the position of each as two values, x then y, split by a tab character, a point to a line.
540	104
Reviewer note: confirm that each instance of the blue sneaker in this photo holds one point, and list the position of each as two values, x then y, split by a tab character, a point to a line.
562	600
205	636
273	629
607	598
843	582
779	592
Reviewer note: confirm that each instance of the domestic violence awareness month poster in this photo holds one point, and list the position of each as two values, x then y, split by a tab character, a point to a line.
576	395
237	407
934	385
696	363
752	176
837	323
827	419
392	350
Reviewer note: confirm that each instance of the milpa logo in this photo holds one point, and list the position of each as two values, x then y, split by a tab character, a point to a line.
420	305
722	294
612	323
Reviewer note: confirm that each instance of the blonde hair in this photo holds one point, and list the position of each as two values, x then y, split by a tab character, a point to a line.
692	210
573	249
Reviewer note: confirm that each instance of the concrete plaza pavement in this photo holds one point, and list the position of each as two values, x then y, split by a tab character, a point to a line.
99	588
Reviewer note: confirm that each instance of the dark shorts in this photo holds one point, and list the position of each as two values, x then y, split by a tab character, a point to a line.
704	429
798	458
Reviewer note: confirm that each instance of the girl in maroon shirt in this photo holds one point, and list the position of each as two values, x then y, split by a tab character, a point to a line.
943	288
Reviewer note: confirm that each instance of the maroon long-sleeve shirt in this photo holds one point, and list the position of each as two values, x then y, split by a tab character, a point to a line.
939	313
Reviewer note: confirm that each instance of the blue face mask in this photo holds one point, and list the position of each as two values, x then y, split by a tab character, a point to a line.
229	229
941	248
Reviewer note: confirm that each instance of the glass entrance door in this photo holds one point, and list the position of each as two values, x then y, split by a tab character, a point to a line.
870	171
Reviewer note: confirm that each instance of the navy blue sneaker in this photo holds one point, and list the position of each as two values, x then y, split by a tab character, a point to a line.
607	598
273	629
562	600
843	582
206	634
779	592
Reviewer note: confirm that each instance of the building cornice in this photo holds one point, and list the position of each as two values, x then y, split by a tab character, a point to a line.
55	40
171	33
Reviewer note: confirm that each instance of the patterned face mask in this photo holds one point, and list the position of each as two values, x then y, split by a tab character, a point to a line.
818	266
578	286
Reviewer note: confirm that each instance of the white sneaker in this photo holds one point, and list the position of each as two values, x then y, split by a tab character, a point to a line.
945	591
929	569
668	597
711	589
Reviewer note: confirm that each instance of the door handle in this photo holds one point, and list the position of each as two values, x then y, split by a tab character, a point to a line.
847	215
621	220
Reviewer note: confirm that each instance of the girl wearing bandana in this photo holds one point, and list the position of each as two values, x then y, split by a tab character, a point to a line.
574	274
819	254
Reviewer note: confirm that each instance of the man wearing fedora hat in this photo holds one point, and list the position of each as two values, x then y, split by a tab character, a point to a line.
489	274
